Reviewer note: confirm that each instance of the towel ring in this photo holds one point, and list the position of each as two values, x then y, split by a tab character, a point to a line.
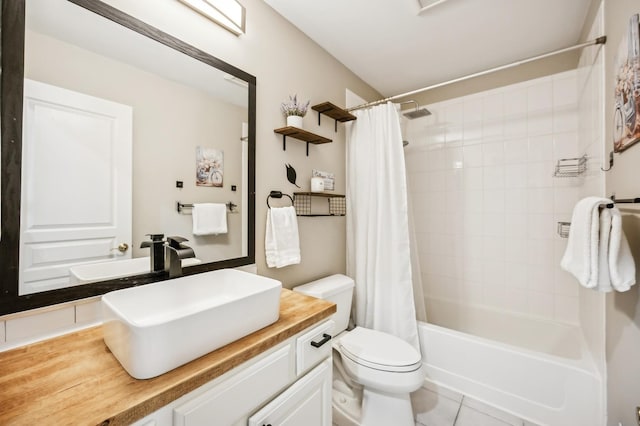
277	194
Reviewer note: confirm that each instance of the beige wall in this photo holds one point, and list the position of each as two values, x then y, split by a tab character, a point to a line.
622	309
285	62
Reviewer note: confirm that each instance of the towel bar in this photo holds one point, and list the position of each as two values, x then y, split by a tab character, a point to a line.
230	206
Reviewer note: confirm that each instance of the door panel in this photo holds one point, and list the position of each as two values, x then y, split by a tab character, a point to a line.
76	183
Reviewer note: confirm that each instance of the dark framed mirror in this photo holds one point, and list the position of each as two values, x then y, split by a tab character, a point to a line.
82	83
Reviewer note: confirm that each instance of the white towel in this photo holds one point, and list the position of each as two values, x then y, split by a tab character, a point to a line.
581	256
604	279
209	219
598	253
282	243
622	268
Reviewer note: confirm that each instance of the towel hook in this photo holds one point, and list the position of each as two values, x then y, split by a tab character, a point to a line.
277	194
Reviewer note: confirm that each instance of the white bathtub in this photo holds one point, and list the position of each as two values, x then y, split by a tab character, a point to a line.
539	371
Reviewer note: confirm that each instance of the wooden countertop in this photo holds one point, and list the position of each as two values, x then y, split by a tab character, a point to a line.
74	379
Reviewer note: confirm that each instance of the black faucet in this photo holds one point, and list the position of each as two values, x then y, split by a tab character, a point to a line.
157	251
175	251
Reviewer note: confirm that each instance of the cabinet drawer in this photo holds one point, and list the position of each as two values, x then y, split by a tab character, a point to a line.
313	346
240	394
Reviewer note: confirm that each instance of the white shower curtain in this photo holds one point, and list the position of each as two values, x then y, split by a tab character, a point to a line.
378	245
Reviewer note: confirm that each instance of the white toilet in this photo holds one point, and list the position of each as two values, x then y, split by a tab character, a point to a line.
387	367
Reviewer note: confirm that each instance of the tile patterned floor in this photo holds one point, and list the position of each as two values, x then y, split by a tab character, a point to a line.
435	406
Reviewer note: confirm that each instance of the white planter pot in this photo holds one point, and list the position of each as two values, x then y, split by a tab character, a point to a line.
295	121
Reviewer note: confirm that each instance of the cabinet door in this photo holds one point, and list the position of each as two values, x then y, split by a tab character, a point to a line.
306	402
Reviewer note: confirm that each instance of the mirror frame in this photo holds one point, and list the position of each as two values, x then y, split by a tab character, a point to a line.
11	93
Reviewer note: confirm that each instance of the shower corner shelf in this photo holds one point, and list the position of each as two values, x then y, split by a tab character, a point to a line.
302	135
571	167
563	229
302	203
333	111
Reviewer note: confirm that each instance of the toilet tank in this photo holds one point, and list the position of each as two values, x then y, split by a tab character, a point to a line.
337	289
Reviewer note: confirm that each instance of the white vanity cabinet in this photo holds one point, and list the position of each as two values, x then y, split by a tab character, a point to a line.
289	384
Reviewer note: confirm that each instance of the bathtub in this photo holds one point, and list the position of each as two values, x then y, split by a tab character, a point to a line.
537	370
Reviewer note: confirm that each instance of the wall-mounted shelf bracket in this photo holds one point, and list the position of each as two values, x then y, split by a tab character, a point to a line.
335	112
301	135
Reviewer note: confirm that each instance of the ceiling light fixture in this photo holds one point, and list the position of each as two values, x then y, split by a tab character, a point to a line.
428	4
229	14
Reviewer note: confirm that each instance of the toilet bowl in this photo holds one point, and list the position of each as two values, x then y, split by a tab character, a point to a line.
386	367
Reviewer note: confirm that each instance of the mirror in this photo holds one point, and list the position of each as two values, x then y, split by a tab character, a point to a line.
124	129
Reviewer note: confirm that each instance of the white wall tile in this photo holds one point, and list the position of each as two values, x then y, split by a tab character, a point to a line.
473	201
515	176
473	178
500	196
541	148
493	201
493	154
472	111
565	91
516	201
540	95
516	151
540	200
565	120
540	175
539	123
493	177
516	276
565	145
472	155
39	324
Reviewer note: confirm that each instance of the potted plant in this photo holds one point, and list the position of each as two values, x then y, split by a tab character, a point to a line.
294	111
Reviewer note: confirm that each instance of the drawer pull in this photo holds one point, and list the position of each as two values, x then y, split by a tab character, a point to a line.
325	338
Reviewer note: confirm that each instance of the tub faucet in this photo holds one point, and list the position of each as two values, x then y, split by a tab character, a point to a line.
175	251
157	251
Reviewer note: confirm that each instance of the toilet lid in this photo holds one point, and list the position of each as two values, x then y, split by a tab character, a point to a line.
379	350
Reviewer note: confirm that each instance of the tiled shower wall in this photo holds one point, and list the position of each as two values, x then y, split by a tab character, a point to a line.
485	202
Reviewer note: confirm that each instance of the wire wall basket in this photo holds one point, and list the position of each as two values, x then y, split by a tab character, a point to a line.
302	203
571	167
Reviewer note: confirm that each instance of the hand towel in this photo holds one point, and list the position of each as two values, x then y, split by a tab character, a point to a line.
604	280
209	219
282	243
581	255
622	268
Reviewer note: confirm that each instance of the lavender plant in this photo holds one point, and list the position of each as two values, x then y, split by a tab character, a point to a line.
292	107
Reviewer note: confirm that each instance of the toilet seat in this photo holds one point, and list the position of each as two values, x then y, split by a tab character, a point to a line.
378	350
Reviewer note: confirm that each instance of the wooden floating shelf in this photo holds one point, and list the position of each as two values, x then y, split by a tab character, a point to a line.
333	111
300	134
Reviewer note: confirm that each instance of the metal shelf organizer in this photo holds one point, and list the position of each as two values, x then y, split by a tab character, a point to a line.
302	203
571	167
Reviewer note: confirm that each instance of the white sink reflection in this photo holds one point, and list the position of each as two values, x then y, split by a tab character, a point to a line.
101	271
157	327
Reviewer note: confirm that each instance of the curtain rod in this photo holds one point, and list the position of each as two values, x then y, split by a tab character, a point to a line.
599	40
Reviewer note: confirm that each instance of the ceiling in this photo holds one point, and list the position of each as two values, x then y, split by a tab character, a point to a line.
395	49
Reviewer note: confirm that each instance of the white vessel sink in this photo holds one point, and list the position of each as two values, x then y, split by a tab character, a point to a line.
157	327
102	271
